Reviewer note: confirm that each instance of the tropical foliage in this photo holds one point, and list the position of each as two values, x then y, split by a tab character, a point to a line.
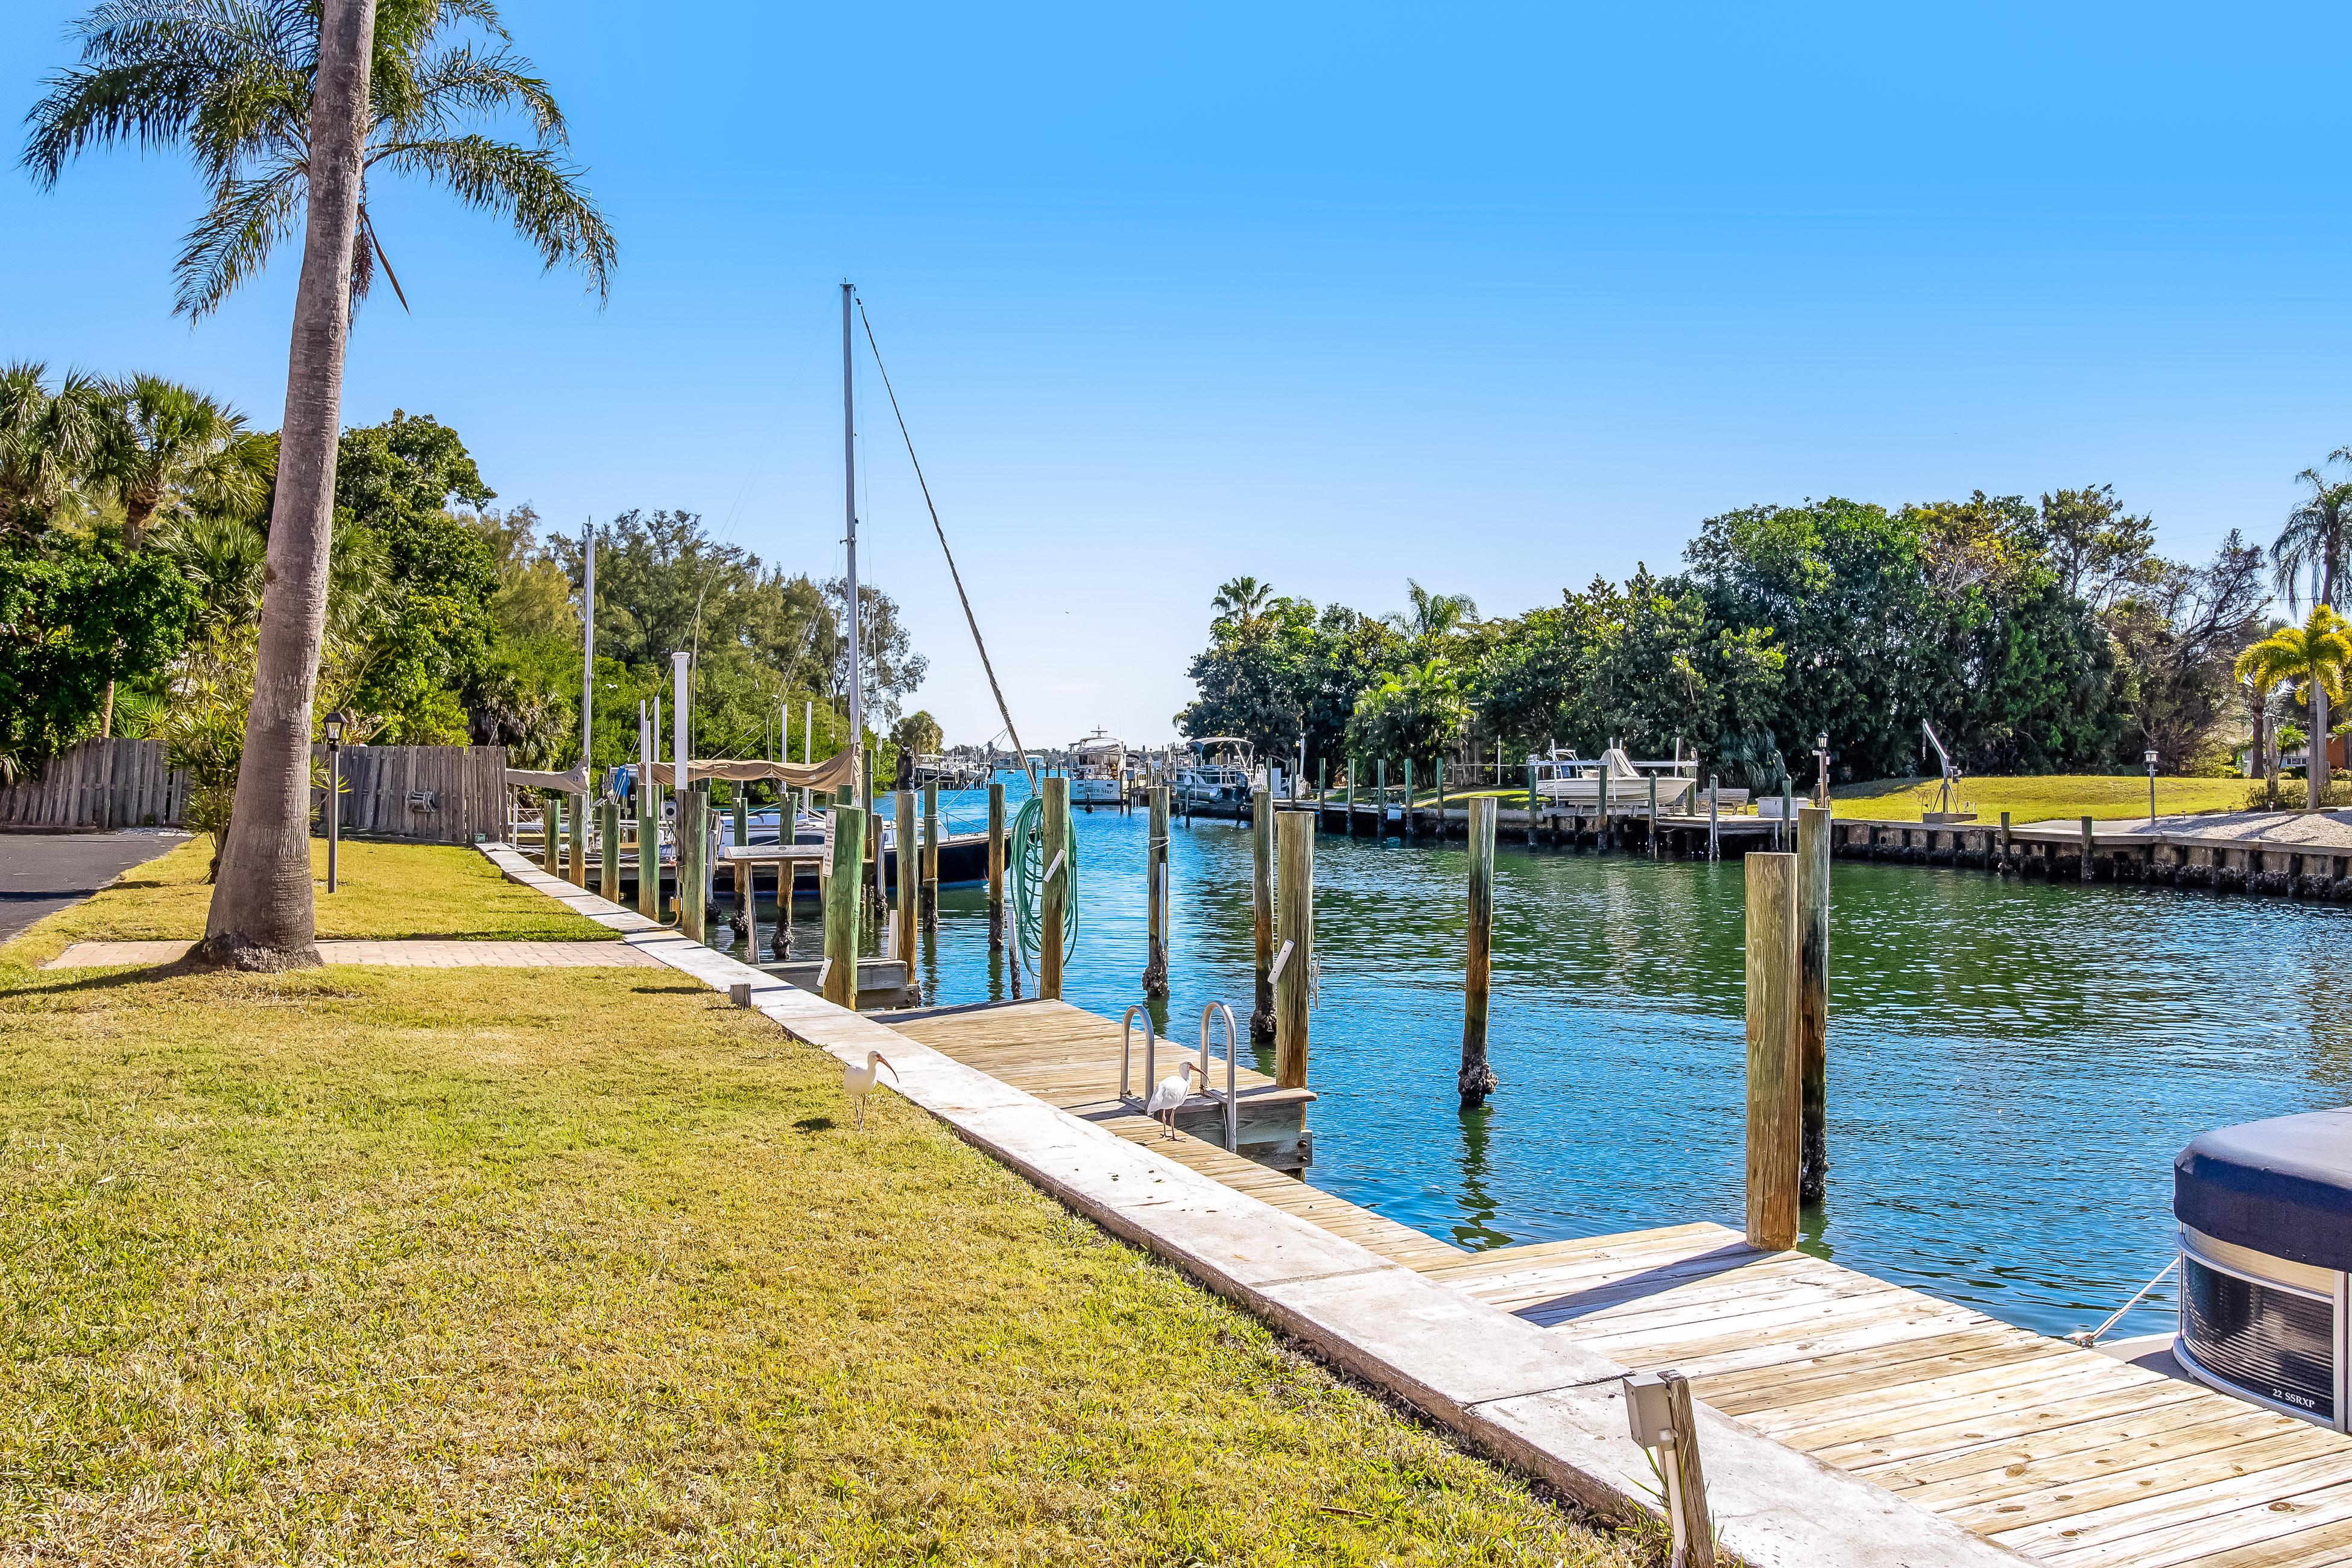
2035	636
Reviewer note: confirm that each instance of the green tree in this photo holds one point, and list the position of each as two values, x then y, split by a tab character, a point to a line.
285	107
2314	658
171	450
1417	713
2315	543
78	614
49	440
1431	615
1239	601
918	734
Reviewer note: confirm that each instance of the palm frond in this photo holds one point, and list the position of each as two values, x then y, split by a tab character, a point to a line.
459	82
529	186
229	243
147	71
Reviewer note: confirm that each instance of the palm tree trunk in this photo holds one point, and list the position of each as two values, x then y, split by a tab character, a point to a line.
2316	771
262	916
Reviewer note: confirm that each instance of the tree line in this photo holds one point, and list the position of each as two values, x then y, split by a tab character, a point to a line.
134	524
2036	637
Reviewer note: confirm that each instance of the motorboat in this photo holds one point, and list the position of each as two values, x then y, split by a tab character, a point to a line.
1222	772
1097	770
1566	782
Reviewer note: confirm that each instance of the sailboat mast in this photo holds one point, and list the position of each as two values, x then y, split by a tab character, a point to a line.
587	643
849	506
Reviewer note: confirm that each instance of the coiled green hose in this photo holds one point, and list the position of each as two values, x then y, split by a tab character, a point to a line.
1029	863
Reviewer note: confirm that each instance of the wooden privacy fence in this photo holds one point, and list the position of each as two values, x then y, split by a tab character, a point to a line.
443	795
440	795
99	784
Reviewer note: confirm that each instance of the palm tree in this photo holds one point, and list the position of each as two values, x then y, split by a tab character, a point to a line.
47	439
166	447
2314	655
1240	602
233	79
2313	543
286	105
1433	614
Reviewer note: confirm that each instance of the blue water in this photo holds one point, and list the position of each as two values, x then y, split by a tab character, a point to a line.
2012	1065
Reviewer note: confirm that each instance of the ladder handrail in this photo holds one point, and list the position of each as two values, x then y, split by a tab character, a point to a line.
1150	1049
1233	1109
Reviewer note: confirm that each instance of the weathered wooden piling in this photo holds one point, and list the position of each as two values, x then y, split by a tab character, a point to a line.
1813	999
1055	902
1438	767
649	899
1354	767
2087	842
578	832
743	820
907	869
1531	803
1654	817
1601	817
1380	811
1408	799
608	852
996	866
1155	893
1714	838
2004	843
693	846
1774	1109
551	834
1262	908
1476	1078
1295	926
843	892
931	855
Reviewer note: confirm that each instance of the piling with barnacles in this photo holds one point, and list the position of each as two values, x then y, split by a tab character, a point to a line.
1155	871
1476	1078
1262	907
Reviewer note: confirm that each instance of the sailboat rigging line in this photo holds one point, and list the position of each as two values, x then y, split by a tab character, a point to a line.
969	619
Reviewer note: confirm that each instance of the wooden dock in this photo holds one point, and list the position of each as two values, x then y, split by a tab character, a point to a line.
2062	1455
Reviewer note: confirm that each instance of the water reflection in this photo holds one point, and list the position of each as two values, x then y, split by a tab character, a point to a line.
2013	1065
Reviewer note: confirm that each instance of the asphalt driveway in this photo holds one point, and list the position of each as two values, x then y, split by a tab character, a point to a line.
40	872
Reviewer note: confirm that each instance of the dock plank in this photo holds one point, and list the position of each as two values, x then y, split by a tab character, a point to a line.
2063	1456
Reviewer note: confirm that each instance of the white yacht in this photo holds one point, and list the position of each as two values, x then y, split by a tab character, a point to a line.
1097	770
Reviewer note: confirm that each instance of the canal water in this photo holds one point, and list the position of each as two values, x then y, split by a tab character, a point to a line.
2012	1065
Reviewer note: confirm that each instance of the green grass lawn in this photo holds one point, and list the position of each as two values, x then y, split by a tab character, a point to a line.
2062	796
441	1266
383	891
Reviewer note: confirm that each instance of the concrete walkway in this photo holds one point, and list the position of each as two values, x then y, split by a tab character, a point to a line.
412	954
41	873
1506	1385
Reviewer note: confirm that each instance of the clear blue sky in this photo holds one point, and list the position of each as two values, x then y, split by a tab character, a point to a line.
1333	295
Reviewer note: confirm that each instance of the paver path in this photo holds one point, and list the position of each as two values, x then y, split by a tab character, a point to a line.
416	955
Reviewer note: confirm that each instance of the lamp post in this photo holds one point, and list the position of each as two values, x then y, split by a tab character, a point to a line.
2151	787
333	724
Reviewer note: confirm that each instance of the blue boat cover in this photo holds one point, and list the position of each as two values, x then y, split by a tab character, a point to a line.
2281	1186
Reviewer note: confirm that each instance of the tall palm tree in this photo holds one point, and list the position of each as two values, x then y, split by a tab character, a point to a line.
2315	656
234	79
2314	544
286	105
166	446
1240	600
1433	614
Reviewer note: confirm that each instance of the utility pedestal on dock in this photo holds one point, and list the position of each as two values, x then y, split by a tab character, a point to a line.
1295	931
1476	1078
1813	998
1774	1111
1261	1024
1155	893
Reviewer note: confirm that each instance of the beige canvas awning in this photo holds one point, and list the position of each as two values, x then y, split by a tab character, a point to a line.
834	773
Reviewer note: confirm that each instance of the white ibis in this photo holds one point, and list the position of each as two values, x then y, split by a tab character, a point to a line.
1171	1094
859	1081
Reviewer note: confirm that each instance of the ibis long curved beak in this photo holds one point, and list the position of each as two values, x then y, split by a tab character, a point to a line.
885	1061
